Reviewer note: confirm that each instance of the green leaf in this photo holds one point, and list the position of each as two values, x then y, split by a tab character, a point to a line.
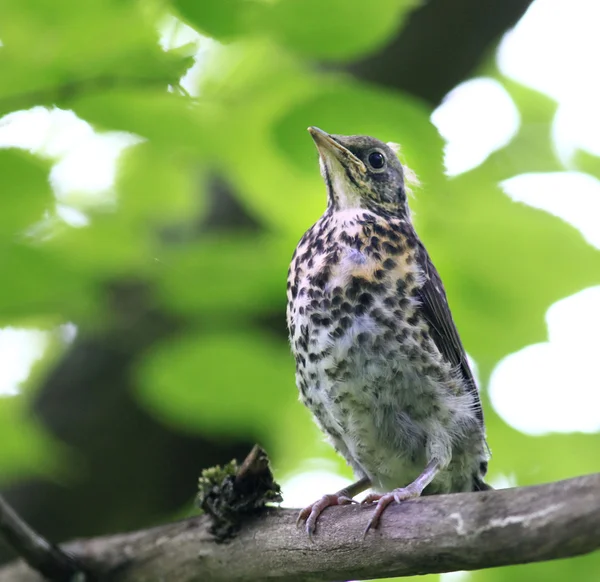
219	383
37	282
336	29
167	119
50	56
226	276
25	449
26	193
503	263
220	19
532	149
111	246
156	187
584	161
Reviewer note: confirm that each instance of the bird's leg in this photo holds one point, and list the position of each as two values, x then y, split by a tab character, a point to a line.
401	494
344	496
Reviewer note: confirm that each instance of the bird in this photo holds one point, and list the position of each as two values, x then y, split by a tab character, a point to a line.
379	361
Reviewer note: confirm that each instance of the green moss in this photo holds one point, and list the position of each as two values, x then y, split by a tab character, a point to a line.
233	493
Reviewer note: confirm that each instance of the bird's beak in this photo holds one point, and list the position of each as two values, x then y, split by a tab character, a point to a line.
329	148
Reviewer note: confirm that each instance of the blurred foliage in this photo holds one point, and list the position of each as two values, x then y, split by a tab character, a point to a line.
341	30
503	263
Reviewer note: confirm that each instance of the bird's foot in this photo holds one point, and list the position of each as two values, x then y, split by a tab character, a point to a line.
384	499
311	513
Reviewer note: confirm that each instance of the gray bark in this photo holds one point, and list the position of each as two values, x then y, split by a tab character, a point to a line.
435	534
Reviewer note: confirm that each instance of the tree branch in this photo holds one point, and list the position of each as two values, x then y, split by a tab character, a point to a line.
465	531
41	555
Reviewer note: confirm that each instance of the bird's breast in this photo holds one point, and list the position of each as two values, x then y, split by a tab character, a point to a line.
351	309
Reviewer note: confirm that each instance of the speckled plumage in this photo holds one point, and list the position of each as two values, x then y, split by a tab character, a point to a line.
378	360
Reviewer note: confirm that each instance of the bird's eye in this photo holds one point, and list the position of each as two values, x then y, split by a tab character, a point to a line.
376	160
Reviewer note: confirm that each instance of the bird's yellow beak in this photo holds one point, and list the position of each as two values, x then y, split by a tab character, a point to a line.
329	148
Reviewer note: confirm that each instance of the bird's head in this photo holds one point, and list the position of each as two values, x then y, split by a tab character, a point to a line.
361	172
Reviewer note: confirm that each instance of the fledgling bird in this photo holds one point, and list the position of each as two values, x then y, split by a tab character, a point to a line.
379	361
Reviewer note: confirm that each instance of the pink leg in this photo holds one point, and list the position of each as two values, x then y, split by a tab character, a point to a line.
344	496
401	494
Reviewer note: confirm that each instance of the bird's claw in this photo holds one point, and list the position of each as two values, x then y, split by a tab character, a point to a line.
384	499
311	513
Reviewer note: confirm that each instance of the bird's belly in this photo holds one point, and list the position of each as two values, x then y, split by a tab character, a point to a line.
377	400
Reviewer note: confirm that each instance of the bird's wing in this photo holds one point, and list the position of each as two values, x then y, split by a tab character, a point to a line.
435	309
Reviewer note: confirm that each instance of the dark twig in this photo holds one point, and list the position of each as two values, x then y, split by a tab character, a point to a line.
41	555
